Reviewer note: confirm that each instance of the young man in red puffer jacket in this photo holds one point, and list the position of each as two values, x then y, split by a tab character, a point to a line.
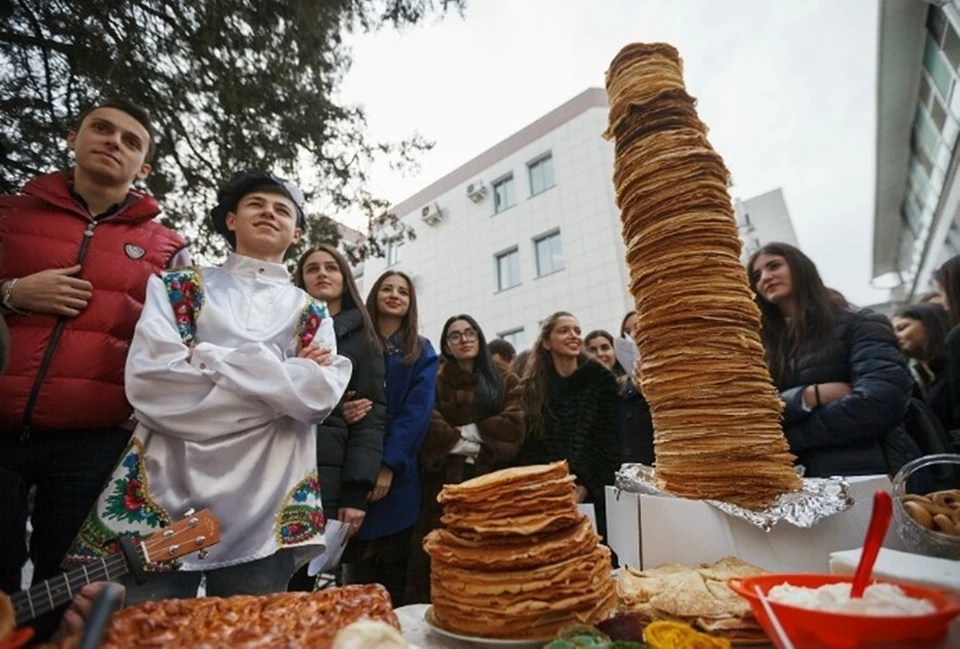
78	248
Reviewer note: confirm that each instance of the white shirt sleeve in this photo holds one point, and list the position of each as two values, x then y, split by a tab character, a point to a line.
292	387
168	394
172	395
470	433
465	447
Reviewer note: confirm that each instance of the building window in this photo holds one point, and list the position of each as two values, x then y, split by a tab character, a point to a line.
504	194
508	269
549	254
936	22
926	132
393	252
951	46
541	174
938	113
938	68
515	337
912	214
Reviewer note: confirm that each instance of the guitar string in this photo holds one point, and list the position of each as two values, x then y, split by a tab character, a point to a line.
95	571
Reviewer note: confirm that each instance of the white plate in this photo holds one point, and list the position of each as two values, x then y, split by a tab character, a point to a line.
481	642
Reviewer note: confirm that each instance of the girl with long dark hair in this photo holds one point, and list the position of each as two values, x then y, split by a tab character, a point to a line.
947	399
922	331
571	405
628	326
477	427
841	376
381	548
633	411
348	452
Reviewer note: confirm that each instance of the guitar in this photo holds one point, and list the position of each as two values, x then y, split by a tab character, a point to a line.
194	533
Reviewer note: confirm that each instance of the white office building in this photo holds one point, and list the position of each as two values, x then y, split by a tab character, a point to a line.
917	208
526	228
530	227
762	220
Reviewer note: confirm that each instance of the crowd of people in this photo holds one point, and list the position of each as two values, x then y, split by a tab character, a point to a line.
138	385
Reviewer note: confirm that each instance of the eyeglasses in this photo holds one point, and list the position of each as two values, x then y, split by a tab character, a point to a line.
457	337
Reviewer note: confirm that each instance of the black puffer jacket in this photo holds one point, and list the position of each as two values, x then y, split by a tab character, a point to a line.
862	433
636	426
348	457
580	426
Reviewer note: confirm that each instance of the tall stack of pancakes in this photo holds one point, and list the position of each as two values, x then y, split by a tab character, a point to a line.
517	560
715	411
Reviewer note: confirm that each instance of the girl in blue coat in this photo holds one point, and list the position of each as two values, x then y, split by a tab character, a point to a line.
379	551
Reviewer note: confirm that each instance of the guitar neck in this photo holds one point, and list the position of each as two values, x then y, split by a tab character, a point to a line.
57	591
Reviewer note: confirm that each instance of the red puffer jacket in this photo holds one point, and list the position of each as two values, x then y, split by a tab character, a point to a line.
68	372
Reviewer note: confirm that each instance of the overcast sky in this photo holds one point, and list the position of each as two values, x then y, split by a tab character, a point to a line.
788	90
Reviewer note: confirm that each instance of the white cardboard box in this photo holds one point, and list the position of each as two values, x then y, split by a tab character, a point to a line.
647	531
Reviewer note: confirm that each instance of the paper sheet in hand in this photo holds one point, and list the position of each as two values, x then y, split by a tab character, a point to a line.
627	353
335	538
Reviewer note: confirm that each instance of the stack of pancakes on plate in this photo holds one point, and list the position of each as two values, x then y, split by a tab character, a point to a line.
516	559
716	414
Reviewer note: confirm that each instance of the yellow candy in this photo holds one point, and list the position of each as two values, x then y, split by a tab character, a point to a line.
664	634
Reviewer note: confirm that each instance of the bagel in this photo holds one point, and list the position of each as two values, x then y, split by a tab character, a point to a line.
944	524
948	498
919	513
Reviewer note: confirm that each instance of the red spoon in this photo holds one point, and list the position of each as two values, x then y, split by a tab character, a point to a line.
879	522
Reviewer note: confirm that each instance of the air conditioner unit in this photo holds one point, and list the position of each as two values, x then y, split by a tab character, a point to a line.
431	214
476	191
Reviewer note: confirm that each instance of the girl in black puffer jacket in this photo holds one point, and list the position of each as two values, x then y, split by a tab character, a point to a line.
842	378
350	440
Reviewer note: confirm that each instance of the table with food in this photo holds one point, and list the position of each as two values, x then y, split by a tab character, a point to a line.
516	564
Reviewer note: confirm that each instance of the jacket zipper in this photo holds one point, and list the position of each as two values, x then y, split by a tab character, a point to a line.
52	346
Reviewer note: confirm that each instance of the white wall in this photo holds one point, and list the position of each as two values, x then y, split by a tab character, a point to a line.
453	262
764	219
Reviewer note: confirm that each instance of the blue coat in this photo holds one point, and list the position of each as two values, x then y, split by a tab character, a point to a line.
411	390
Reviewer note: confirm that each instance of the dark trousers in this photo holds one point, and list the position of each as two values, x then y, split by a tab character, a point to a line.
259	577
380	561
68	469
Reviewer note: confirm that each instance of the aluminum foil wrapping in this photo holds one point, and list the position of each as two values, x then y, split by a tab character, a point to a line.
819	498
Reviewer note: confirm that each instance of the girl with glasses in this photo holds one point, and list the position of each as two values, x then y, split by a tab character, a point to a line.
477	427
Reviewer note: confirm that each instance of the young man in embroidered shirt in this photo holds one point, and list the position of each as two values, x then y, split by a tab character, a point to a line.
77	249
229	371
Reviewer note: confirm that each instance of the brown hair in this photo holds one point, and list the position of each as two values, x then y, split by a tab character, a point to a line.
948	277
812	324
350	298
408	335
536	373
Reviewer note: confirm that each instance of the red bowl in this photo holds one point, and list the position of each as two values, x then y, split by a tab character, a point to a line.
810	629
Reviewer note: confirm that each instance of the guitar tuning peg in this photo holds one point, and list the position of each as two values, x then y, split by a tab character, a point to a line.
203	554
189	512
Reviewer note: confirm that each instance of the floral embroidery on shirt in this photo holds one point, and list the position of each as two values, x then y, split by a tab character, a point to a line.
185	290
93	541
126	501
311	316
301	517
